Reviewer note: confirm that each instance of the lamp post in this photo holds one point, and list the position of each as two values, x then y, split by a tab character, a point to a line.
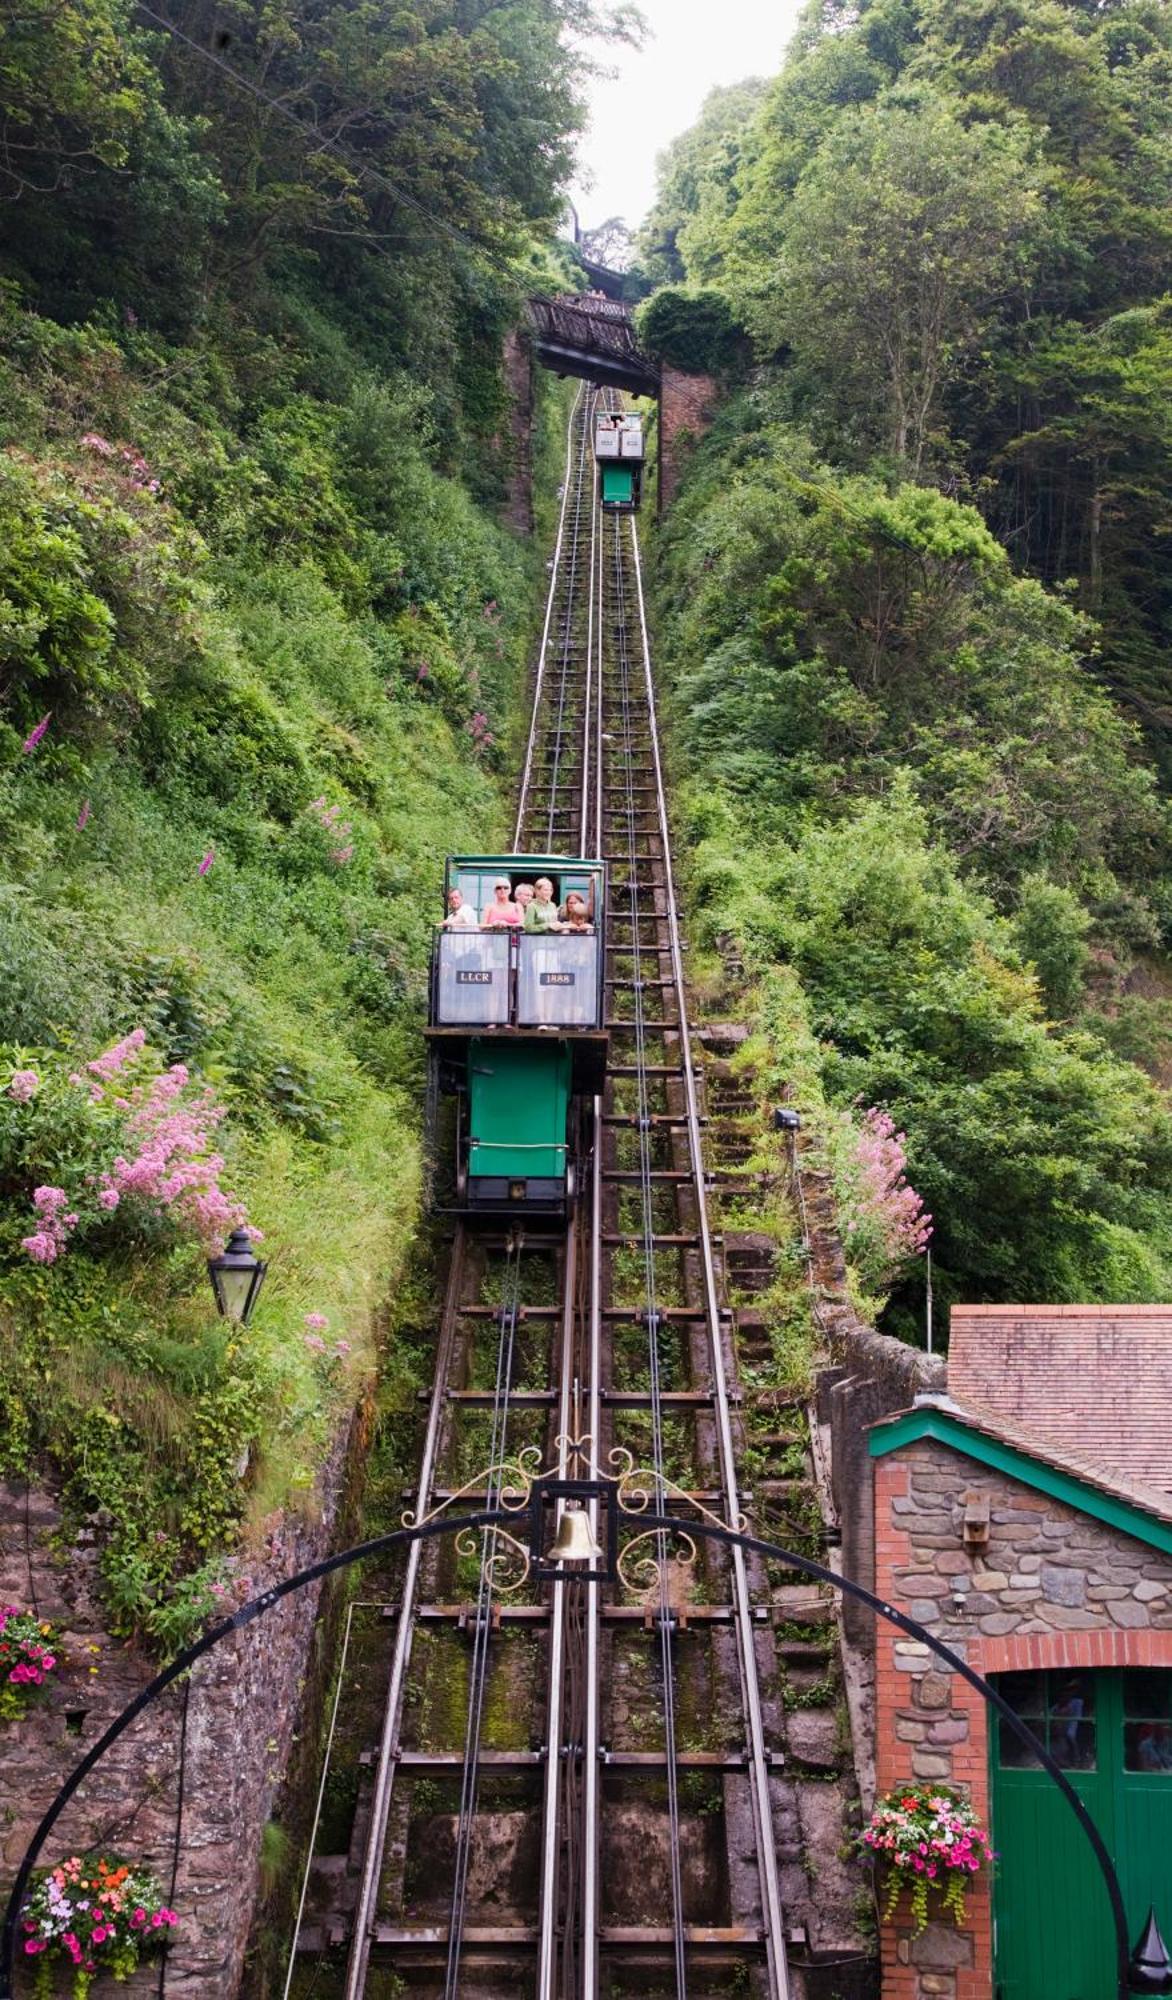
577	1556
236	1277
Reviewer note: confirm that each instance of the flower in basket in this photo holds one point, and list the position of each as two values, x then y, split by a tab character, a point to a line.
30	1650
932	1843
96	1914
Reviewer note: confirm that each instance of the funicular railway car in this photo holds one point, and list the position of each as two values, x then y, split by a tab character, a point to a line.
516	1028
619	454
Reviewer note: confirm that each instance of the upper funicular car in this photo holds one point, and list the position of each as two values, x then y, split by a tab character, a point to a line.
619	453
516	1025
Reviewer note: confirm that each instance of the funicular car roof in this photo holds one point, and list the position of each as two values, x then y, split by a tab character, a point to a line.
558	862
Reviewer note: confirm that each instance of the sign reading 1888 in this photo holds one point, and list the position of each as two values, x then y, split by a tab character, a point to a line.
558	978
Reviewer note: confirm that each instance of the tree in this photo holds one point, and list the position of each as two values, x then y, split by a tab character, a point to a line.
691	169
610	244
905	234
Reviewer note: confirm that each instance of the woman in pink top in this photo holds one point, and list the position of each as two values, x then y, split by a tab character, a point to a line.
501	910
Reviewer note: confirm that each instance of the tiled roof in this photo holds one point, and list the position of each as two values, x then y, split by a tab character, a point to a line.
1093	1381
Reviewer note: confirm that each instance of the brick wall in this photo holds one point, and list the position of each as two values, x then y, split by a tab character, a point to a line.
1052	1589
687	404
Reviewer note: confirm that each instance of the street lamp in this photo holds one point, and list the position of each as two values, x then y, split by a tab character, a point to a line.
237	1276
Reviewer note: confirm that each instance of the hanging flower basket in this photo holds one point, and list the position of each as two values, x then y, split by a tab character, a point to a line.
931	1843
95	1914
30	1651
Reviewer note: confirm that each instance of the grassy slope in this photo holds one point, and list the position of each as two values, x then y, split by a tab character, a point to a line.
280	669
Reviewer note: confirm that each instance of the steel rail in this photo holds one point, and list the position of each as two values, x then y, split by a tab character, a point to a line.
549	604
568	623
647	1203
365	1907
556	1812
551	1822
478	1678
779	1980
592	1733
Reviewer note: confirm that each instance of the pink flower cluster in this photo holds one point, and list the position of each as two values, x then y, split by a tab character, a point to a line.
26	1647
174	1168
24	1085
114	1060
479	731
331	822
317	1324
91	1911
932	1841
170	1164
884	1195
138	471
927	1835
56	1223
34	736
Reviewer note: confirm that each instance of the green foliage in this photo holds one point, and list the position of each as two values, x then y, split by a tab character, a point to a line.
923	818
692	330
250	380
697	176
946	226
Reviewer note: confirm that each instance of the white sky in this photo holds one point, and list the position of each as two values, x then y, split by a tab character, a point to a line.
693	45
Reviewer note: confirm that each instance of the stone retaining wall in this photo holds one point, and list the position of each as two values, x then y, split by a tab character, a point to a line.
198	1772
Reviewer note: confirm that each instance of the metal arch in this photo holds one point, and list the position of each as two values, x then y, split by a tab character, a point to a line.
494	1517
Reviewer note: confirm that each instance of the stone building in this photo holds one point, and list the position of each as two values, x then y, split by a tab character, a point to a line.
1024	1516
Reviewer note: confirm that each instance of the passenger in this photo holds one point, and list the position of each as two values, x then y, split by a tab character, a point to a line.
577	915
523	896
575	896
542	913
461	915
502	910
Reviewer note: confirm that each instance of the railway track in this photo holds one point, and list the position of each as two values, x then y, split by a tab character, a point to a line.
571	1789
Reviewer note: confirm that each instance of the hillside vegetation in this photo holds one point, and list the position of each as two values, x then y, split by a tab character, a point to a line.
914	602
260	635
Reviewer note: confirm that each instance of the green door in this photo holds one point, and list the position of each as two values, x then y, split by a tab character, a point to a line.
618	486
519	1094
1112	1734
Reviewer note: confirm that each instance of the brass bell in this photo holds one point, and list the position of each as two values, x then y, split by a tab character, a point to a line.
575	1540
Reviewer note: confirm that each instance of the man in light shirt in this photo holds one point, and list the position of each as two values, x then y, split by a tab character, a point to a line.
461	915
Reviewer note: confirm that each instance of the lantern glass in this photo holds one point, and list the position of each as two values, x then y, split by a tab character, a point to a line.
237	1277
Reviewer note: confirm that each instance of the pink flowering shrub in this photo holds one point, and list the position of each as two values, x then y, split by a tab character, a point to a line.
30	1650
96	1914
932	1844
336	829
25	1083
56	1222
126	1140
884	1221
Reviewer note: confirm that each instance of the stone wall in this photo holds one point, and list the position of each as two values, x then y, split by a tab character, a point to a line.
870	1376
189	1787
1053	1588
687	404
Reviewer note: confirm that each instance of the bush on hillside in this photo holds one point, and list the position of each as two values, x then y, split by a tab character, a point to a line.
693	330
